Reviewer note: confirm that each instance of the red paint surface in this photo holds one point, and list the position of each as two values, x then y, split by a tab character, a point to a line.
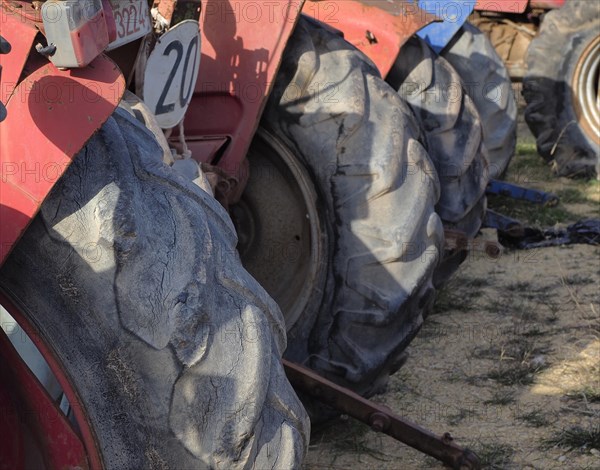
20	35
90	39
85	432
11	445
547	4
505	6
242	45
51	115
374	27
33	410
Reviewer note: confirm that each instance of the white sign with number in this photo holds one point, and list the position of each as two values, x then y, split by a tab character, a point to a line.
132	20
171	73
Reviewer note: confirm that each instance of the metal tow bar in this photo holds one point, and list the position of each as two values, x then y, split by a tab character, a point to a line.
459	240
379	418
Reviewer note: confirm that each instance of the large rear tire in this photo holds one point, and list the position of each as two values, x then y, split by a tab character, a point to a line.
368	191
130	276
562	89
452	134
487	82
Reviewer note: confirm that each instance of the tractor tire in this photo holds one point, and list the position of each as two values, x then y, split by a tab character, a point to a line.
131	277
452	134
561	89
487	82
351	148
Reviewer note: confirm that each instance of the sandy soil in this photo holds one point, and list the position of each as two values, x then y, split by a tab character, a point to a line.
509	362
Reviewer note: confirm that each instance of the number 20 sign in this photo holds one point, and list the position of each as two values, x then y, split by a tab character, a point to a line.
171	73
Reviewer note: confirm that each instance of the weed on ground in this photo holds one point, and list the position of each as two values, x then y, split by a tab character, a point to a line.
575	438
494	455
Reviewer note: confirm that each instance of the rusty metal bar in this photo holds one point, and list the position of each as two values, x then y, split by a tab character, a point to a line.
458	240
379	418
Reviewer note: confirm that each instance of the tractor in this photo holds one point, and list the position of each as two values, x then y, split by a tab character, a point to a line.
192	190
134	337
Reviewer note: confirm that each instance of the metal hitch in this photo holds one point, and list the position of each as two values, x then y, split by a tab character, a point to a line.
379	418
459	240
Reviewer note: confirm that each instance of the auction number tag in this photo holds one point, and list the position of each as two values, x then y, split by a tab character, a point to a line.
132	19
171	73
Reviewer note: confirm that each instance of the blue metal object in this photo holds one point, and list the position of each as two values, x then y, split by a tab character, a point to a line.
503	223
518	192
454	14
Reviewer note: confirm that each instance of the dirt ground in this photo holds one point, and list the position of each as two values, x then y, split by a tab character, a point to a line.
509	361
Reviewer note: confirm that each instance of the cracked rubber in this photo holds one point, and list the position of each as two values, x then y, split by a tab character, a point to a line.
452	133
131	275
487	82
377	190
552	58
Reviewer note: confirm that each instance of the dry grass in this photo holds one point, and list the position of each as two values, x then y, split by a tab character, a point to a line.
575	438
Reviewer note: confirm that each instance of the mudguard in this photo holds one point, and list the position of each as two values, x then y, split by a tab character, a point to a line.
507	6
242	45
378	28
51	114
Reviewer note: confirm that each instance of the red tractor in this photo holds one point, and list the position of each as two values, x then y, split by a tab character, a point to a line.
154	348
348	200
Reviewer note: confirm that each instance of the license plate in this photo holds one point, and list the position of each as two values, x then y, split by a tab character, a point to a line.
132	19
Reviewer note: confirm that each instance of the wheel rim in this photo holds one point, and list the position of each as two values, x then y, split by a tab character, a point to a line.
278	226
82	451
586	89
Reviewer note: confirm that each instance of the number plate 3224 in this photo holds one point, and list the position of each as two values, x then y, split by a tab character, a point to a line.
132	20
171	73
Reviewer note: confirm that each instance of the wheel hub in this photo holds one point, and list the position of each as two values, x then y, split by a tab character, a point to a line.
278	226
586	89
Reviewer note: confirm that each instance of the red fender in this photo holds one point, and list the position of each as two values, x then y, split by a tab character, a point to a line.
547	4
504	6
242	45
517	6
20	35
51	115
378	28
